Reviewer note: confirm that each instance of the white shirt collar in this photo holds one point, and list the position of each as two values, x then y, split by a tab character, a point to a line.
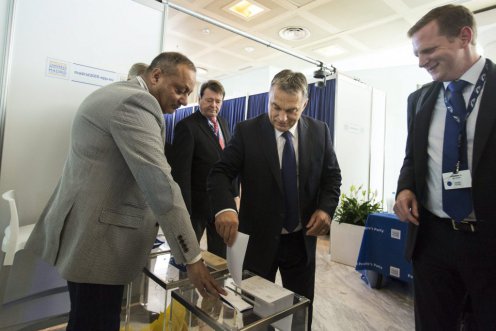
142	82
473	73
291	129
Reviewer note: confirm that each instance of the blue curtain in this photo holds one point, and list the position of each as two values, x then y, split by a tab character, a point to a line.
321	103
257	104
169	127
320	106
233	111
182	113
172	119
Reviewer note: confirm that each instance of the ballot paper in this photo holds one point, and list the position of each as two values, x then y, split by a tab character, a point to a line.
235	300
236	256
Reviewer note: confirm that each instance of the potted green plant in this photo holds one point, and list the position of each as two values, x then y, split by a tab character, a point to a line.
356	206
348	224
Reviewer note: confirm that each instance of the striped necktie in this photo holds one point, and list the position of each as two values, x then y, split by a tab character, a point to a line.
216	131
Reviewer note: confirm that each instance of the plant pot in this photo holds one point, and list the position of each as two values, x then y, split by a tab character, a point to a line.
345	243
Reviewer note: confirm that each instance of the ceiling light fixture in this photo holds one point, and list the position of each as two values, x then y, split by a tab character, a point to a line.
294	33
205	31
332	50
245	9
249	49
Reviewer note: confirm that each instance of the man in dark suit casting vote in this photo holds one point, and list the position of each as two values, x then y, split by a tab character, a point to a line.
290	182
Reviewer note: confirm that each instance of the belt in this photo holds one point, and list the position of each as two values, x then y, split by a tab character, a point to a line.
466	225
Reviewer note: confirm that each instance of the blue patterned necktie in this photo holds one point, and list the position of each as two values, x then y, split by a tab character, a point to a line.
457	203
289	180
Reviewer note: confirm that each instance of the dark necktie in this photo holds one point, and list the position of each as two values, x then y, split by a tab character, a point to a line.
289	180
457	203
216	131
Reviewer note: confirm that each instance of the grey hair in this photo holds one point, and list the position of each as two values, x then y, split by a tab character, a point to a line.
136	69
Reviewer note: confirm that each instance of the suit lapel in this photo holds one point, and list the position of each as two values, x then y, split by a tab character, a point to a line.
268	144
205	128
486	117
223	126
422	124
304	145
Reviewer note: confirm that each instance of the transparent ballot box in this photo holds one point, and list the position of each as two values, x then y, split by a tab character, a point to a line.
256	305
160	276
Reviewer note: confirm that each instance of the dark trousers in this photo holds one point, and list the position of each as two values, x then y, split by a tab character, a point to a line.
215	243
94	307
448	266
297	270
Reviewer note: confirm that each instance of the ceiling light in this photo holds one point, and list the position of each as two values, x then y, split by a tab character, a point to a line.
245	9
205	31
332	50
294	33
249	49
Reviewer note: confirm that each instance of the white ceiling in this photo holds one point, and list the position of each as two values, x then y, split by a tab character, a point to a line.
369	32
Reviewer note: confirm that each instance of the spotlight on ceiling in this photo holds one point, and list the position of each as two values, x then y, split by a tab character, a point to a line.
323	73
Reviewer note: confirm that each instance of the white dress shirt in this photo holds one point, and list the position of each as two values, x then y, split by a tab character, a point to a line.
434	200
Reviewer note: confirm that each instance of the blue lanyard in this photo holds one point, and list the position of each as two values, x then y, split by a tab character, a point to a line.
462	123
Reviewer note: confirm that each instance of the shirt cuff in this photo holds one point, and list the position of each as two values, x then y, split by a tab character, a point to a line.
196	259
223	210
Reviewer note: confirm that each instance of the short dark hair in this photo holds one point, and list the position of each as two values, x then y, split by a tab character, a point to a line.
290	81
213	85
450	19
168	62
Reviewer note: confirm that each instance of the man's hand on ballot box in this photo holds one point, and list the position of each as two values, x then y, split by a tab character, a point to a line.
200	277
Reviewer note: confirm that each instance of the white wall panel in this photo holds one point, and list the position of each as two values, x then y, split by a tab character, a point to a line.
377	136
109	35
352	131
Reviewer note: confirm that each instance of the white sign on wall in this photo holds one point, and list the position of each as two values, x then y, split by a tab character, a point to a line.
57	68
80	73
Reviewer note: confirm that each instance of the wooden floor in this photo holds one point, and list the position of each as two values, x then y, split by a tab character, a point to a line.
343	301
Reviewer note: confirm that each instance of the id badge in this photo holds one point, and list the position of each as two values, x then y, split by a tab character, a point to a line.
453	181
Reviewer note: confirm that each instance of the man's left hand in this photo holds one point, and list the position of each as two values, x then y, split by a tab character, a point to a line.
319	223
204	282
